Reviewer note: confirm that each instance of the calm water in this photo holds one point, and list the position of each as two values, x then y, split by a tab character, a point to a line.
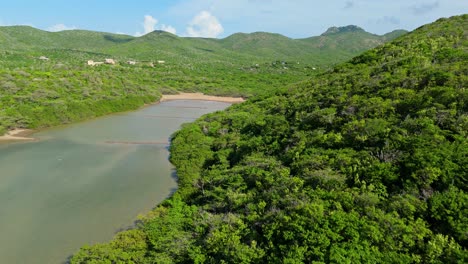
77	186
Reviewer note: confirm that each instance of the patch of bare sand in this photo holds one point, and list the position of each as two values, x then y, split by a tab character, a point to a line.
17	135
200	96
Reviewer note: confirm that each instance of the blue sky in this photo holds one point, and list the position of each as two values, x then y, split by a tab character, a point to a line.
220	18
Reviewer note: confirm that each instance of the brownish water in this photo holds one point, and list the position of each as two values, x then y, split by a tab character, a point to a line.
81	183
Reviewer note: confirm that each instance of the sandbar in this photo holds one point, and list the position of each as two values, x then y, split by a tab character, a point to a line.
201	96
17	135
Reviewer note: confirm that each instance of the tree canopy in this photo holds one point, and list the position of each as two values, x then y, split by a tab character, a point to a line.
366	163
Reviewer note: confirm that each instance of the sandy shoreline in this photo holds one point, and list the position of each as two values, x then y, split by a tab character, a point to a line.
200	96
17	135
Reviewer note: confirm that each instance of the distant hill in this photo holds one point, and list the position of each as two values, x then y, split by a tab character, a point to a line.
337	44
23	38
337	30
349	40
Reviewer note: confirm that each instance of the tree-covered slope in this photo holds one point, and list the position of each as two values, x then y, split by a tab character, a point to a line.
335	45
259	46
267	44
25	38
343	41
366	163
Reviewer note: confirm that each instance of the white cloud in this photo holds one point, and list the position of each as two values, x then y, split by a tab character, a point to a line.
149	25
169	29
204	24
59	27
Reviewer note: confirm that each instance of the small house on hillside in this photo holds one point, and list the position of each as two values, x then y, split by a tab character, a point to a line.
94	63
109	61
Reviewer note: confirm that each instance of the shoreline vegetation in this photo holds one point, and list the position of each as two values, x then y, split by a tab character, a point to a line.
21	134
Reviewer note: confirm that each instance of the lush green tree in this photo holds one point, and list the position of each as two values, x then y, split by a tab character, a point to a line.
365	163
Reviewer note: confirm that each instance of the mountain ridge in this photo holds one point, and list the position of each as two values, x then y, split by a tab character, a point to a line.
330	30
321	50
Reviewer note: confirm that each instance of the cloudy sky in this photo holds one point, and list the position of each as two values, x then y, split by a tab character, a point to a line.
220	18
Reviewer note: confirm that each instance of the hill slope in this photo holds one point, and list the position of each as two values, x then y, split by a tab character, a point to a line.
258	46
328	48
25	38
365	163
349	38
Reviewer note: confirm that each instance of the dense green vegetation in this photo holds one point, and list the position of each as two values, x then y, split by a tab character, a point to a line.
38	93
366	163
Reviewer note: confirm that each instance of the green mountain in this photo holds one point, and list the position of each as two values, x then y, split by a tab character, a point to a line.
265	44
364	163
349	40
25	38
258	46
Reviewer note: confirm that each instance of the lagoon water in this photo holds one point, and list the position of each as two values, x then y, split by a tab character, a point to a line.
81	183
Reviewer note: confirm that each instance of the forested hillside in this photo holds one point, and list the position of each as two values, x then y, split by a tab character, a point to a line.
258	47
366	163
62	88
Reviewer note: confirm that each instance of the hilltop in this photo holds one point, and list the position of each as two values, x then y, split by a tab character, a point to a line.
338	30
364	163
350	39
